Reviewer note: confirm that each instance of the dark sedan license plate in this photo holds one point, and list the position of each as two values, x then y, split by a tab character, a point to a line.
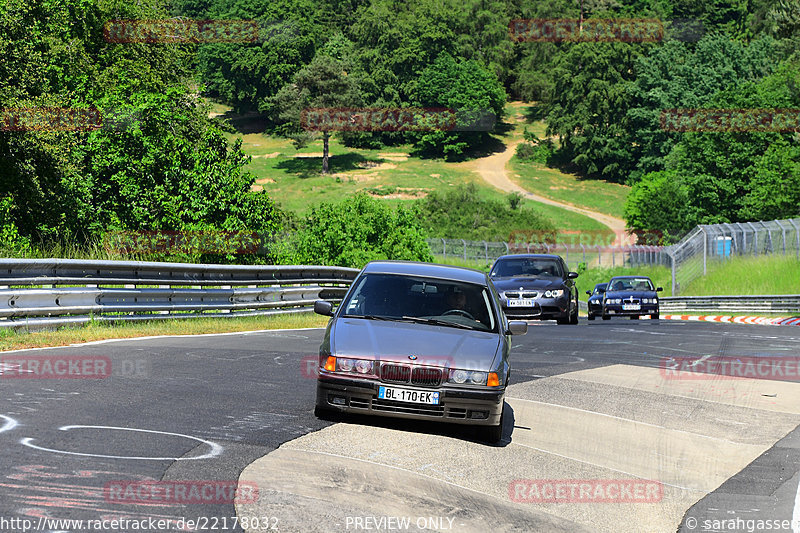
408	395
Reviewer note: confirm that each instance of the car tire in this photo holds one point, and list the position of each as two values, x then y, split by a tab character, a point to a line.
562	321
655	316
606	317
590	317
493	434
573	318
324	414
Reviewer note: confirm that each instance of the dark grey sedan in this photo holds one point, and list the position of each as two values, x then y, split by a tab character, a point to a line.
536	286
417	340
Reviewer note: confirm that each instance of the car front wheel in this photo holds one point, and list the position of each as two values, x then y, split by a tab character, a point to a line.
493	434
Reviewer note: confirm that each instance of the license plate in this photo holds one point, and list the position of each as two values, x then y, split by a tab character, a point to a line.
408	395
520	303
631	307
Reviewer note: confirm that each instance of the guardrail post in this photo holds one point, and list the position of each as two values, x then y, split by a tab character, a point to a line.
583	249
465	249
444	249
486	251
598	255
613	264
506	245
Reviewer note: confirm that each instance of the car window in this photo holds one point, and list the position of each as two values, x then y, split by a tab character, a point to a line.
528	267
402	297
632	284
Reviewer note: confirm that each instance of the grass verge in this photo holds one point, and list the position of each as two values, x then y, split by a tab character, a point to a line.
21	339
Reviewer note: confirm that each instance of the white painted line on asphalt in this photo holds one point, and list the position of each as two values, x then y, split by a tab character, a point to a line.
796	511
9	424
609	468
626	419
216	449
103	341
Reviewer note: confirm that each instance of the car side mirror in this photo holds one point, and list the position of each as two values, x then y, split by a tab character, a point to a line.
659	289
517	327
321	307
588	293
572	275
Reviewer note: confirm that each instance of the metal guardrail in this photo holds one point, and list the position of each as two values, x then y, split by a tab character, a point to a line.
54	292
731	304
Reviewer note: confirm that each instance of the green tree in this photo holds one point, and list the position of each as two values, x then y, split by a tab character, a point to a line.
465	87
587	106
324	83
658	203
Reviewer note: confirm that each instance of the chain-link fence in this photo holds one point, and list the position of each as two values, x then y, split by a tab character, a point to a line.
573	254
709	245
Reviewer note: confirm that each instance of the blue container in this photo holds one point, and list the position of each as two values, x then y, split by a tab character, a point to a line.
724	246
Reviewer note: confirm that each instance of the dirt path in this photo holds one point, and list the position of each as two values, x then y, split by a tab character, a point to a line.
493	170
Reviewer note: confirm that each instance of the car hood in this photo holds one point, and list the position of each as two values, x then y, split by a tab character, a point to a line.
629	294
395	341
513	284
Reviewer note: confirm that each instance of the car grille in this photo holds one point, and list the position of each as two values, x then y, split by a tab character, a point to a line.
418	375
631	300
513	295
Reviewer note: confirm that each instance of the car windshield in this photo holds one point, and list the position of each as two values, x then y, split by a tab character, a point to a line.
631	284
419	299
598	288
528	267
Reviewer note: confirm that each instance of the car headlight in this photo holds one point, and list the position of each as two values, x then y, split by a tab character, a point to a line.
554	293
614	301
363	366
459	376
478	378
342	364
474	377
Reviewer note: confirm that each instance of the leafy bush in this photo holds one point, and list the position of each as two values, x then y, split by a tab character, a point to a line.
11	242
462	214
352	233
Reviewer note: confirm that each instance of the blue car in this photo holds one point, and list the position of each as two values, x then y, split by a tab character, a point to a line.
632	296
595	303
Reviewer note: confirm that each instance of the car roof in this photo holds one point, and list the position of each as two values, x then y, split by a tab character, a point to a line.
528	256
600	285
631	277
430	270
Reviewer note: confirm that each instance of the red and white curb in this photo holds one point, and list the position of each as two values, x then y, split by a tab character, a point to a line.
761	320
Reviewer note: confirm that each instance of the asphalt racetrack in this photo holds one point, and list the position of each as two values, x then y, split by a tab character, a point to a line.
598	436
